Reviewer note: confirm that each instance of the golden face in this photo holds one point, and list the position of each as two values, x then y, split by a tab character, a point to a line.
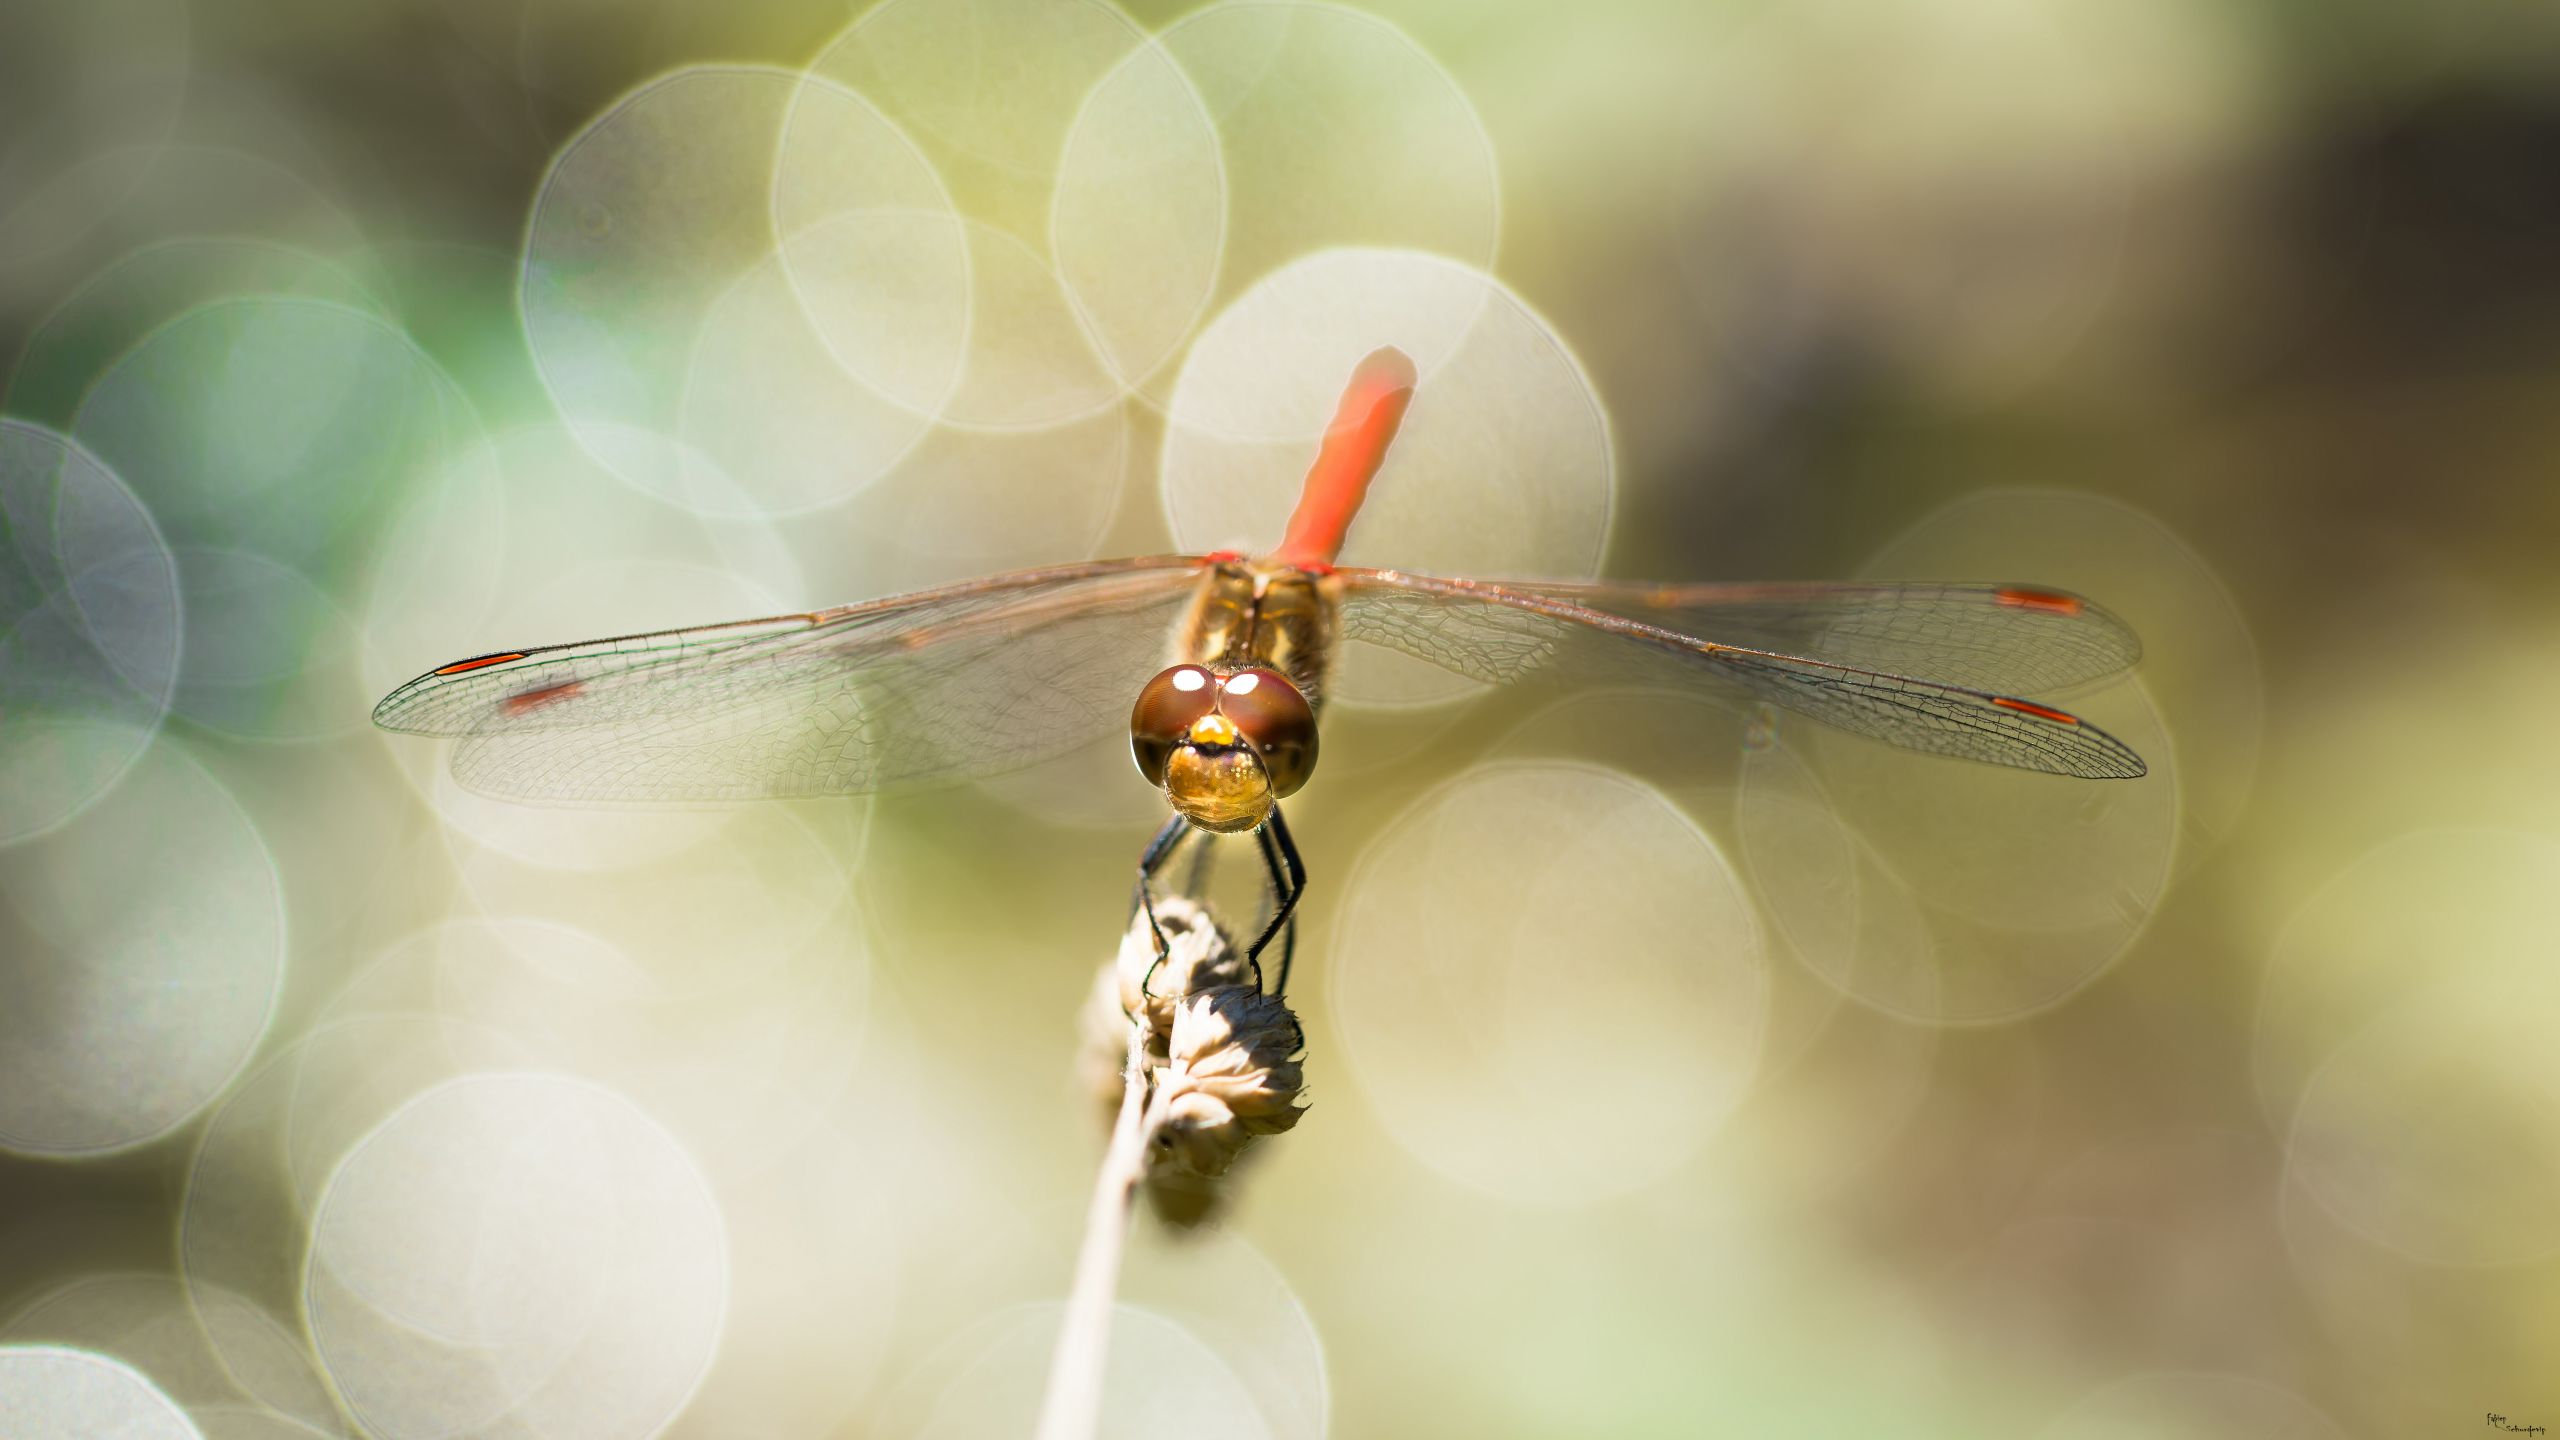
1225	748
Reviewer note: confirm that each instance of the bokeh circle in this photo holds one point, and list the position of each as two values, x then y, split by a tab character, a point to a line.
1549	982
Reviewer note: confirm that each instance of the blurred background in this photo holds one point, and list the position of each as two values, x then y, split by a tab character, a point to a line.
1676	1069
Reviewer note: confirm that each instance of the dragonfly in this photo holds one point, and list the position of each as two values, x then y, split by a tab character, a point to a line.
1230	658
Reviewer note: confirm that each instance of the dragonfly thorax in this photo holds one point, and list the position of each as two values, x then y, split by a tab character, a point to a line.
1275	617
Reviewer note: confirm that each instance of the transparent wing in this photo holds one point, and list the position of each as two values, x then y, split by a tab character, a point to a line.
938	686
1969	642
2007	639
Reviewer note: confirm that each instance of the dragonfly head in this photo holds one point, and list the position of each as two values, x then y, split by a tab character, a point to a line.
1225	748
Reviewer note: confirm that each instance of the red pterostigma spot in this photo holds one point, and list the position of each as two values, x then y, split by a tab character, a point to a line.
2041	712
458	666
2050	602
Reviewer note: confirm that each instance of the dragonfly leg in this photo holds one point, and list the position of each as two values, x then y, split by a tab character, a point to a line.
1272	914
1276	846
1158	851
1288	882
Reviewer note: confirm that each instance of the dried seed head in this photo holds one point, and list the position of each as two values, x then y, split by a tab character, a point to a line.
1127	995
1215	1051
1201	955
1182	1200
1230	1077
1198	956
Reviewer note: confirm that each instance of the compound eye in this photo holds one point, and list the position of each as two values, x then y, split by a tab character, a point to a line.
1278	722
1166	707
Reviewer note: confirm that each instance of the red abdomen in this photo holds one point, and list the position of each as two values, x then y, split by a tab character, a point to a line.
1355	445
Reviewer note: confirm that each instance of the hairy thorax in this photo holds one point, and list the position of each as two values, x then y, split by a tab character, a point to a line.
1258	614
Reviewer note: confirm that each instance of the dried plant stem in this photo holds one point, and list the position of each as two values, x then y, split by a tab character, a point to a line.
1072	1409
